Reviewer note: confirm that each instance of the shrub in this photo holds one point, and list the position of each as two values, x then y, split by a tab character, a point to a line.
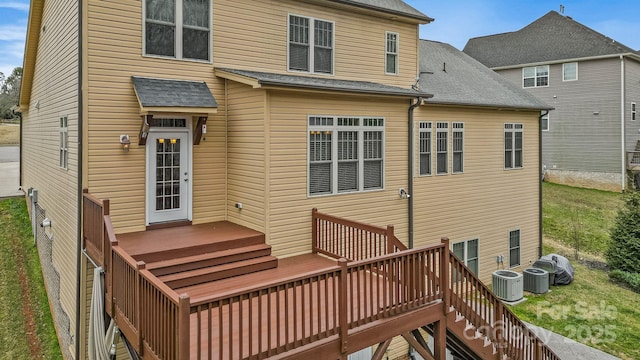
624	251
631	279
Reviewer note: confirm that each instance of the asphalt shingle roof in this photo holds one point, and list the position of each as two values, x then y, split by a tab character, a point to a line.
308	82
392	6
550	38
153	92
456	78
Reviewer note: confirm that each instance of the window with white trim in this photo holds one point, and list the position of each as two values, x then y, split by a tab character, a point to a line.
544	121
346	154
425	148
310	50
391	59
457	143
570	71
633	111
179	29
467	252
442	147
64	142
514	248
513	141
535	76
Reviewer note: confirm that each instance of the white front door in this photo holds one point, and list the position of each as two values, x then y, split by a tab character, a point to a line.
168	176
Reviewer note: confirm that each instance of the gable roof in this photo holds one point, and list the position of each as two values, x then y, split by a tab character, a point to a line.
398	7
456	78
552	37
259	79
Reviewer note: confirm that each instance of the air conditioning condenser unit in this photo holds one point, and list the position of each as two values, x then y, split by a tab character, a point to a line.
536	280
508	285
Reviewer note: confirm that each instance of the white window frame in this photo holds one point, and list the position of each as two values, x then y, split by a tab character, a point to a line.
536	76
178	25
312	45
466	258
395	54
564	71
457	127
425	129
545	118
64	142
633	111
513	128
513	264
365	124
442	128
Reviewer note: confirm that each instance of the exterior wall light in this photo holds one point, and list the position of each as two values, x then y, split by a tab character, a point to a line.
125	142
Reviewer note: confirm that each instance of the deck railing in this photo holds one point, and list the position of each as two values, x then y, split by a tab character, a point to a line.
633	160
93	212
480	307
266	320
340	238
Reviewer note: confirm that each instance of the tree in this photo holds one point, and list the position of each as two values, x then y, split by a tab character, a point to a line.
624	252
10	94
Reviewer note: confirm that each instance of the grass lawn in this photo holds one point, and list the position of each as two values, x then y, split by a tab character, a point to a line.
9	134
592	309
26	327
570	213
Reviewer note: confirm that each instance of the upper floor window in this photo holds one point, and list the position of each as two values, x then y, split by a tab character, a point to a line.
425	148
570	71
391	60
457	140
544	121
346	154
64	142
535	76
179	29
442	146
633	111
310	45
513	141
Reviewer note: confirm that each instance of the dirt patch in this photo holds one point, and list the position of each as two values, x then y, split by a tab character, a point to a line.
27	302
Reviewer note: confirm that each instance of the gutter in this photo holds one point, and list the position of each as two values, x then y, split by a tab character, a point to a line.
79	194
542	114
412	106
622	124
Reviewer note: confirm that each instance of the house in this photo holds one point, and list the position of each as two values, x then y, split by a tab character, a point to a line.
214	176
592	81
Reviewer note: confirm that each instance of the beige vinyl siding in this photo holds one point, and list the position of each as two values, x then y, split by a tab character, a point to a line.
487	201
54	90
253	35
246	154
290	207
114	38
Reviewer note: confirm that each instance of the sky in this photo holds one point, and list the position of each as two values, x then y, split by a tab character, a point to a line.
456	21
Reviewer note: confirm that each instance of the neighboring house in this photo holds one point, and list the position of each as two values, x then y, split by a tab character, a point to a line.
592	81
181	148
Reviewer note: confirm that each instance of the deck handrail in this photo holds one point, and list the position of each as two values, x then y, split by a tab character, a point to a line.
92	227
633	158
341	238
472	299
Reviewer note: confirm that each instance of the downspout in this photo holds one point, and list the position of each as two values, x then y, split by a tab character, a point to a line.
622	129
412	107
79	190
542	114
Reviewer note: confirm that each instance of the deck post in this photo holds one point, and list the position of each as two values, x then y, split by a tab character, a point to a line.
498	328
444	274
390	236
141	265
538	349
440	339
314	231
184	308
343	305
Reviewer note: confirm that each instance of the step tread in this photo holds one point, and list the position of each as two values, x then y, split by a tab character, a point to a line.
206	256
217	269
